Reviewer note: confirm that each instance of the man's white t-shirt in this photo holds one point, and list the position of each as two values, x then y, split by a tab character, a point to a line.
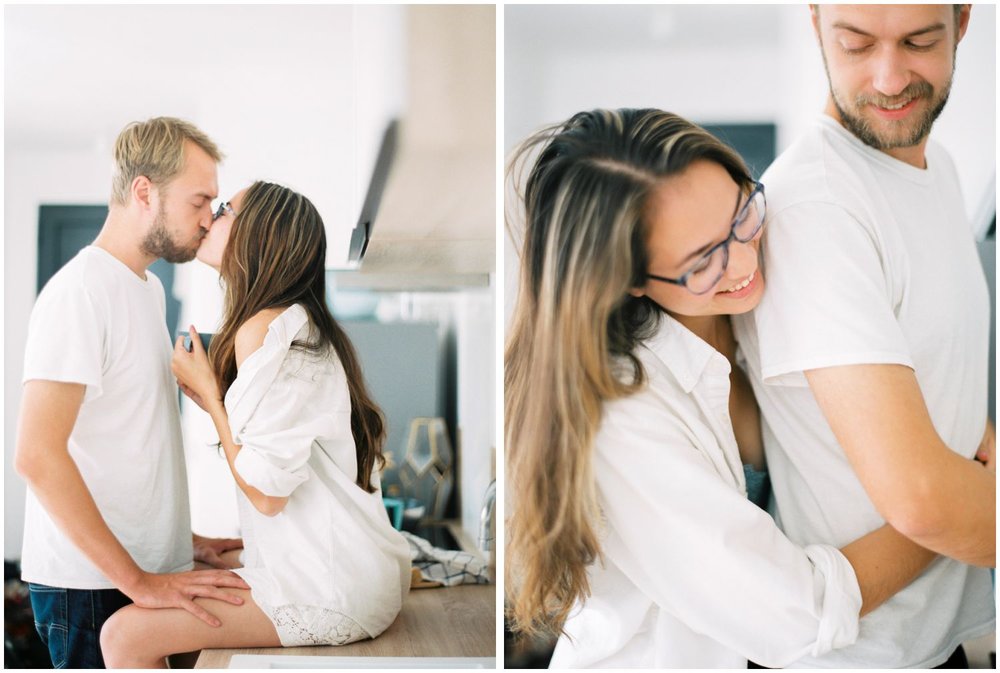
99	324
869	260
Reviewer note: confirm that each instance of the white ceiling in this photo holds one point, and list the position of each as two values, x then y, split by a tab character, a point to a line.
600	27
112	64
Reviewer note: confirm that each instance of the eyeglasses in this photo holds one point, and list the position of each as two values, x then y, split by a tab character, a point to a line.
223	209
703	276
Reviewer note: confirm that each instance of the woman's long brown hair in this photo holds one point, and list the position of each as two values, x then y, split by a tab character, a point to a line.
573	332
276	257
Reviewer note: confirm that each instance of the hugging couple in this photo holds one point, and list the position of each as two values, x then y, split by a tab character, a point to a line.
108	548
692	352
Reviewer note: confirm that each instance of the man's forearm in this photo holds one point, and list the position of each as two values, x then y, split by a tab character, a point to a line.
57	483
921	487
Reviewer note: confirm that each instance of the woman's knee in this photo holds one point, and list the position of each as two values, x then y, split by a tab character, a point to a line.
122	639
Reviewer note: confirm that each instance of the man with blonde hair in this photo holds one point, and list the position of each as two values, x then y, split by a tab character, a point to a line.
868	352
107	518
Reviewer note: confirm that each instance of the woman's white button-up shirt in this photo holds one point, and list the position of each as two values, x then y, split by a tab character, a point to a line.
693	574
332	546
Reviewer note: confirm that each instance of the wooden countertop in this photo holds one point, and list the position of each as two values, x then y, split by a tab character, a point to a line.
441	622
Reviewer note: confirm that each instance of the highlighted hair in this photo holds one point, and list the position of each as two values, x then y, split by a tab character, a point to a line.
573	332
276	257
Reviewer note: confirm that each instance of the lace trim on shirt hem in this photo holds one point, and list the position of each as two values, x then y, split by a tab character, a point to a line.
299	625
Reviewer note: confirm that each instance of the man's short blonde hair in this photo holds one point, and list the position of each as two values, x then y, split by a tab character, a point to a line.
956	10
154	148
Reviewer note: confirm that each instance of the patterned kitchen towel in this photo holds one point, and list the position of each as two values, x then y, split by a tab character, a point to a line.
446	566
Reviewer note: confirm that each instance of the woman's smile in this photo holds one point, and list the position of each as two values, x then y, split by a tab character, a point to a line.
741	290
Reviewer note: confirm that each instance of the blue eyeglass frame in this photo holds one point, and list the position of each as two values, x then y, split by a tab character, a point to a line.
221	210
740	217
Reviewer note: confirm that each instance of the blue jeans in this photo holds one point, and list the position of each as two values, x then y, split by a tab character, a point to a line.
70	620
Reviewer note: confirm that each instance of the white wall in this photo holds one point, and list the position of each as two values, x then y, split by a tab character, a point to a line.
477	391
31	178
719	63
967	127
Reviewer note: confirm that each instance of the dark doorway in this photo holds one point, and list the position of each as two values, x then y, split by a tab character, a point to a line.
65	230
756	143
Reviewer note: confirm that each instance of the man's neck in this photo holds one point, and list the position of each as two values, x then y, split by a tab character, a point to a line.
913	155
118	238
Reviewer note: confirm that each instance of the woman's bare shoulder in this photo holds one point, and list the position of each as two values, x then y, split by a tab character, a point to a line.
250	335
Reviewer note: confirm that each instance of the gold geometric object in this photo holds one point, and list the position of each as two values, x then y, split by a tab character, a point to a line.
426	469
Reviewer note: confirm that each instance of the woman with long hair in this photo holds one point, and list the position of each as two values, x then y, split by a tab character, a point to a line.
633	441
303	440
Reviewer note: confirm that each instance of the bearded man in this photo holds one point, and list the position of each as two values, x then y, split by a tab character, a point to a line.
107	518
868	353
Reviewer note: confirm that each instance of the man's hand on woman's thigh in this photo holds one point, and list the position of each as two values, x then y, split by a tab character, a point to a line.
178	590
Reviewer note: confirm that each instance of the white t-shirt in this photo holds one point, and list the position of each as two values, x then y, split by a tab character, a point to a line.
869	260
332	546
694	575
99	324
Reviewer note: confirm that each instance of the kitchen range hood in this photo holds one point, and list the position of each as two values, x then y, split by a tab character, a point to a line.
361	234
428	221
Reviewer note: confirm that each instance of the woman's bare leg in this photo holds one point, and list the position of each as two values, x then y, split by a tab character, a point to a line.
137	637
189	659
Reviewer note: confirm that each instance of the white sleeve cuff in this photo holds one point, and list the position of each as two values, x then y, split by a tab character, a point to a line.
838	596
268	478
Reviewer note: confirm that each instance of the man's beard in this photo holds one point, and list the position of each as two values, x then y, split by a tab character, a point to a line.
158	242
862	128
905	135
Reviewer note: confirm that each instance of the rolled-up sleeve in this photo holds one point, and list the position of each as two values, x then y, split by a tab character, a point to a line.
693	543
276	439
839	597
270	474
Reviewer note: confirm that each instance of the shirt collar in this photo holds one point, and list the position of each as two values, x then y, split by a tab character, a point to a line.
890	163
686	355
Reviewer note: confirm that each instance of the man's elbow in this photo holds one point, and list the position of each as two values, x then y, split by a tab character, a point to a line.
22	465
27	464
918	514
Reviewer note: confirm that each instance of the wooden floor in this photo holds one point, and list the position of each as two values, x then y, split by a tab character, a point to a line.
443	622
